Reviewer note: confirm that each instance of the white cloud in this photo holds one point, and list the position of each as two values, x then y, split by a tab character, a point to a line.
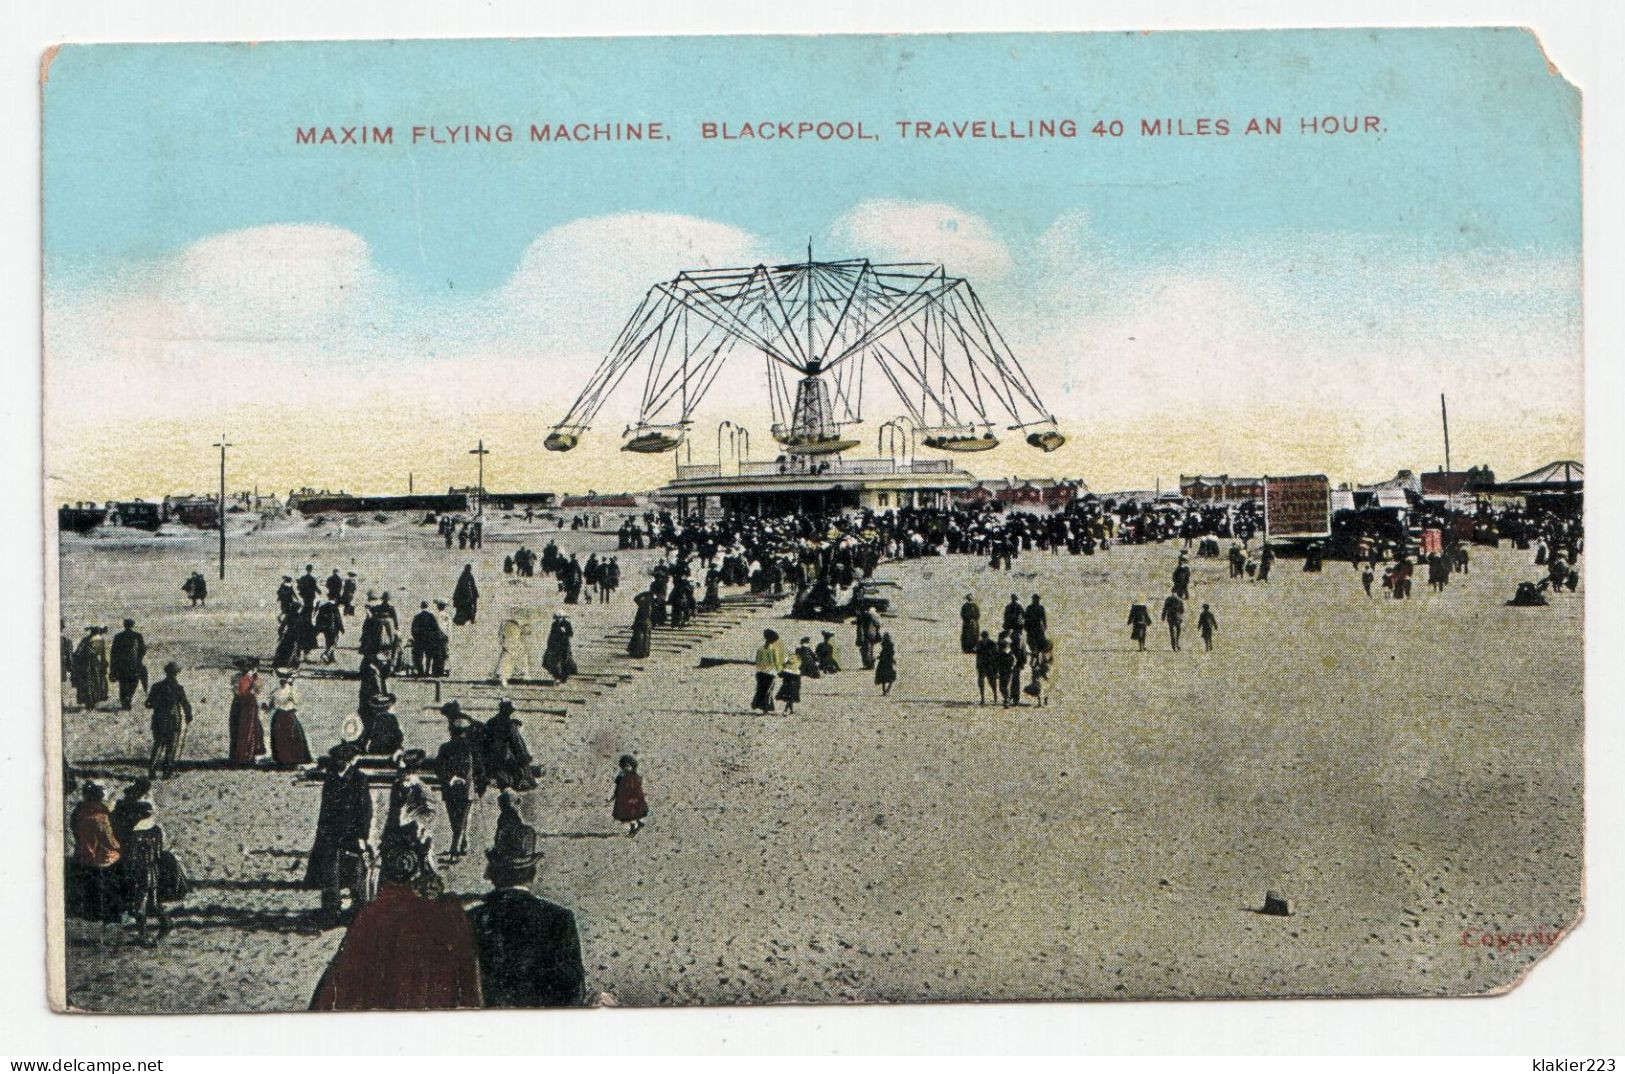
890	230
576	284
1329	350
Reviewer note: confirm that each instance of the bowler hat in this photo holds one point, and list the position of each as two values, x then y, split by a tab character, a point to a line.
451	708
514	848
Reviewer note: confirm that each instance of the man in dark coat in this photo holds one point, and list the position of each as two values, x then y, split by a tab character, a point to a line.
171	712
457	767
425	639
466	597
970	625
1036	620
1182	579
335	586
1173	613
308	588
987	667
339	856
529	948
1014	615
127	663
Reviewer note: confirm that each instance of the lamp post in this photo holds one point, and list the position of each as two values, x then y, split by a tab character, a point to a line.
744	443
222	445
725	424
479	488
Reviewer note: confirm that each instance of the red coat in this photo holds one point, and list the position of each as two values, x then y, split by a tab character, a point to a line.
403	952
629	803
247	733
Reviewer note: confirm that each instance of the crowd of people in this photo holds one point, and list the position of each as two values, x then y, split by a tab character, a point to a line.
513	948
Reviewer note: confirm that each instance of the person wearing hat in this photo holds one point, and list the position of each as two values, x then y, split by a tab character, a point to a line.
247	733
404	949
970	624
171	713
347	594
339	854
457	767
286	599
1173	613
1207	624
289	746
196	589
1139	622
529	949
95	852
328	623
90	662
886	665
769	662
308	586
127	662
557	657
442	651
507	757
806	659
425	639
630	807
825	652
382	728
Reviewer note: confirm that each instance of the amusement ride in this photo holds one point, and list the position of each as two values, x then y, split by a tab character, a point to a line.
819	326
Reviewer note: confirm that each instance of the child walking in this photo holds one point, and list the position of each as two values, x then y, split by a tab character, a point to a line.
630	807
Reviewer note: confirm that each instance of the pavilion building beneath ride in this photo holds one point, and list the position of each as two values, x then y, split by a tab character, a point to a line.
813	484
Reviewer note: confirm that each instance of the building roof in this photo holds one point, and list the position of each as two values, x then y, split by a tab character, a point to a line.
1554	476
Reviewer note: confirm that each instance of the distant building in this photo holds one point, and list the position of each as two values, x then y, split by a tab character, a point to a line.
808	484
1044	493
1220	488
199	512
1443	483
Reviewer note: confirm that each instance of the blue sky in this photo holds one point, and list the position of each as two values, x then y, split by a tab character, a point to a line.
149	148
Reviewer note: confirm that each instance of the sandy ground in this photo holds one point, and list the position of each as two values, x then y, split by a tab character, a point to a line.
1404	772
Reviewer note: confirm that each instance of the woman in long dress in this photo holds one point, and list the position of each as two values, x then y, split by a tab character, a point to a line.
790	682
247	733
558	658
642	627
289	747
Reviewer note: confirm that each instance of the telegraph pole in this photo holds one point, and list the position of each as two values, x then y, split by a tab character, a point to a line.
1444	416
222	445
479	449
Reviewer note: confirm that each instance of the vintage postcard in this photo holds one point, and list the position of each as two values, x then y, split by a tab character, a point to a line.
670	521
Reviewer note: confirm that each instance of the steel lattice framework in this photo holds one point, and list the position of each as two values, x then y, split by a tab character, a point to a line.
819	326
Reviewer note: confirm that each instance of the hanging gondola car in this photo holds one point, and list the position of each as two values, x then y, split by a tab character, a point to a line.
558	440
653	439
1046	440
828	444
960	440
